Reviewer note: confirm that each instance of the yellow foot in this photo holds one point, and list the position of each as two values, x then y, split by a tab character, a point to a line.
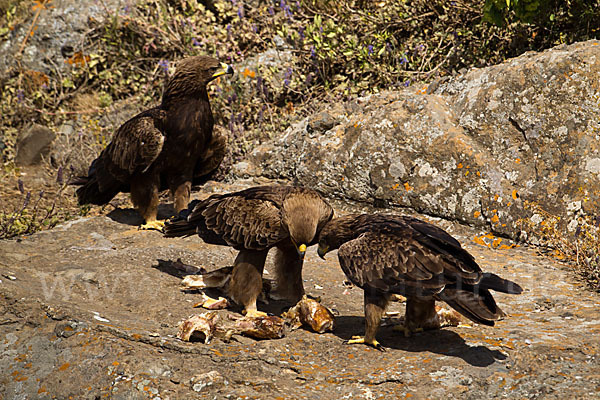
361	340
406	330
255	314
155	225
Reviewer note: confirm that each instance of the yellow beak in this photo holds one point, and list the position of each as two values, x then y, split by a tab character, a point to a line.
225	69
301	250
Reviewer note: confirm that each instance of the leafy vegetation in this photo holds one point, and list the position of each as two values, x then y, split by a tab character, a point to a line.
580	248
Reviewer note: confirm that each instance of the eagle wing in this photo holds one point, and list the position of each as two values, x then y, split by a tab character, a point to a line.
239	221
135	145
403	261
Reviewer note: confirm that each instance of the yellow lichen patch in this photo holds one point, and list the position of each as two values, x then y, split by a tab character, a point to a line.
518	161
495	219
515	195
459	166
466	173
115	363
395	187
476	214
408	187
64	366
478	173
42	390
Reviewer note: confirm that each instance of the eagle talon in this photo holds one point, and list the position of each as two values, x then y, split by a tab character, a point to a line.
153	225
255	314
361	340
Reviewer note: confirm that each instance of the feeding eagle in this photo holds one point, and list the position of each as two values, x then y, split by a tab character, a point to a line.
253	221
165	147
391	254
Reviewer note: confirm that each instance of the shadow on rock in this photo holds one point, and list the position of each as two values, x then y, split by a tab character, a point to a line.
440	341
130	216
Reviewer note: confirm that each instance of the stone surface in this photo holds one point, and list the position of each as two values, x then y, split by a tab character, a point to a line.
471	148
33	144
58	35
94	307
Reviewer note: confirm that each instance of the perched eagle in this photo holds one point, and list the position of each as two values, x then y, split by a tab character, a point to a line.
391	254
253	221
165	147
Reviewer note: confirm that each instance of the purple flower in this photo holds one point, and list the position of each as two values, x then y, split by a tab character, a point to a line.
59	176
20	95
195	42
301	32
240	12
309	77
407	83
313	53
370	49
271	10
164	64
282	4
287	76
403	60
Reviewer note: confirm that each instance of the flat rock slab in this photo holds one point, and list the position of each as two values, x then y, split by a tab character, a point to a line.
90	310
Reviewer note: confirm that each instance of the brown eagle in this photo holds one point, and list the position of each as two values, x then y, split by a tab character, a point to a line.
391	254
253	221
165	147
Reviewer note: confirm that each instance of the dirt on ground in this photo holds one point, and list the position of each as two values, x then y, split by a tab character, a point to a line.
90	310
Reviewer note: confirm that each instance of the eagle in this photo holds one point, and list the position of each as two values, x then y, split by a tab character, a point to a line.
170	146
253	221
391	254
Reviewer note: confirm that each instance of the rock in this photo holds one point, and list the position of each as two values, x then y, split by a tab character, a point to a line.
33	144
55	38
67	329
209	379
471	150
548	337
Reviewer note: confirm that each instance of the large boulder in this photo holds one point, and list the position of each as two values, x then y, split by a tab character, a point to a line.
33	144
470	148
58	34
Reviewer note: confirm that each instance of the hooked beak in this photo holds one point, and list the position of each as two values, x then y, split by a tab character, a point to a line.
225	69
322	250
301	251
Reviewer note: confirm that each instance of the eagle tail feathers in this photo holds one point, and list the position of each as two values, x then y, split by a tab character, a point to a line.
179	226
478	307
494	282
90	193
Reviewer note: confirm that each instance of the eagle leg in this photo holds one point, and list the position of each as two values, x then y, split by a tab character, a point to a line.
144	195
288	274
246	279
420	314
375	304
181	195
